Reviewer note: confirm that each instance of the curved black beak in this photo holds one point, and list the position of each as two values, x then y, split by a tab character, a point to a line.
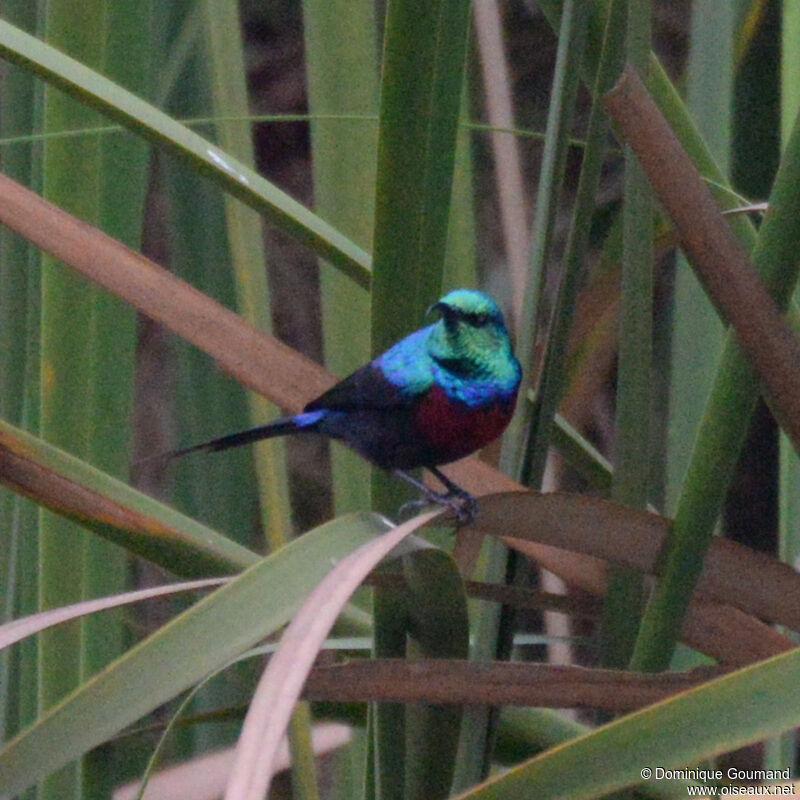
438	306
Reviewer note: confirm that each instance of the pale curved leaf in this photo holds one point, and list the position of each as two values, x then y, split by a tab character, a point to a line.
206	636
282	681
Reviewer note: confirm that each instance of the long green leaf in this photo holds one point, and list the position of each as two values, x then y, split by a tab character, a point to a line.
200	640
342	73
248	270
554	369
422	74
114	510
437	611
387	720
572	36
722	433
19	329
207	488
248	256
743	707
632	455
709	98
423	68
144	119
461	267
123	163
71	372
782	751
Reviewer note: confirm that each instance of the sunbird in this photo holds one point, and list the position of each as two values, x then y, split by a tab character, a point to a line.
438	395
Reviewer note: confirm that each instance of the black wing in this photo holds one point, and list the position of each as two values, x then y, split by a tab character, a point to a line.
366	388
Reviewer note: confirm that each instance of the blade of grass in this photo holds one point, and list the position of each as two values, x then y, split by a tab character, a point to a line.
229	93
218	627
144	119
790	69
460	264
572	35
525	733
712	720
553	371
461	269
19	301
282	681
423	68
632	451
508	180
515	456
582	455
221	491
439	628
110	508
425	45
206	402
122	165
23	627
388	720
756	101
229	96
71	178
709	99
721	436
342	75
780	753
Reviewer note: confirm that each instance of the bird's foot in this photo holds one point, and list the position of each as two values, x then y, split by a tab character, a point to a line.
411	509
461	503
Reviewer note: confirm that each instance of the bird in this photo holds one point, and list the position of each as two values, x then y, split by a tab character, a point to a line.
436	396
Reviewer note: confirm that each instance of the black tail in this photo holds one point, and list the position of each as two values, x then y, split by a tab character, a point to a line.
277	428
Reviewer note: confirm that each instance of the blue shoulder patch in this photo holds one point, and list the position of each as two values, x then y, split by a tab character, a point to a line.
407	364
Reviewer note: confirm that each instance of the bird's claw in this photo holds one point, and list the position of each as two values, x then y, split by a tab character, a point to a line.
411	508
465	507
461	503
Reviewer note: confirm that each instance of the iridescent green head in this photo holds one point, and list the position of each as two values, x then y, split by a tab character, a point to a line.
471	335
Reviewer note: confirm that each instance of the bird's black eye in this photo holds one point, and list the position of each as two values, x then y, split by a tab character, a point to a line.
478	320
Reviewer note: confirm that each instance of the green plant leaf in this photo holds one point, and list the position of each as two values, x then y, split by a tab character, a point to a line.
114	510
144	119
439	628
283	679
729	712
225	623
